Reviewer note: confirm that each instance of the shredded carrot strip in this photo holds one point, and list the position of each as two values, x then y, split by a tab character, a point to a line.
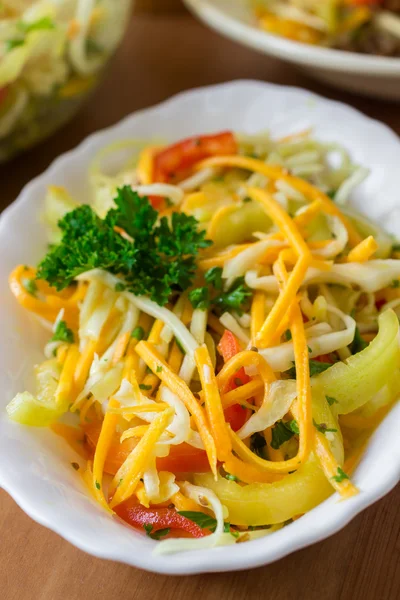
287	295
62	353
145	164
65	385
275	172
182	503
187	312
257	314
130	472
242	393
175	357
121	347
103	445
247	472
330	467
284	301
281	219
140	408
154	336
27	300
308	214
84	363
85	408
74	437
363	251
155	361
138	431
301	357
293	137
218	260
213	403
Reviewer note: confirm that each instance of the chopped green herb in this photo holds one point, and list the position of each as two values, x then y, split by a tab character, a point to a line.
396	247
257	444
235	298
120	287
246	199
43	23
214	277
30	286
63	333
145	387
231	477
155	535
138	333
159	369
395	283
316	367
200	298
11	44
358	344
98	486
75	466
120	481
293	426
238	381
341	475
331	400
92	47
160	259
201	519
149	371
323	428
287	335
309	349
283	432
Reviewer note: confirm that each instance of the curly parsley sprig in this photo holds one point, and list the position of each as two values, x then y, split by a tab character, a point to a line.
155	257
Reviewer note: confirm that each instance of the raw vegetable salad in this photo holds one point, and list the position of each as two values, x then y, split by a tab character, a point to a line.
223	333
51	54
368	26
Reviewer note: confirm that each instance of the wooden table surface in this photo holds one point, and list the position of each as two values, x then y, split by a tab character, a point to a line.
161	56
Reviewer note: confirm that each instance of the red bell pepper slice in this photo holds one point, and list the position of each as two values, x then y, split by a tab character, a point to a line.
228	346
159	518
181	459
176	159
324	358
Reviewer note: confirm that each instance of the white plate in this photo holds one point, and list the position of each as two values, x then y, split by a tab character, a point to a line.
35	465
362	73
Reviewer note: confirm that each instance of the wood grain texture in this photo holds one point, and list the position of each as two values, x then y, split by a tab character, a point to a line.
362	562
158	6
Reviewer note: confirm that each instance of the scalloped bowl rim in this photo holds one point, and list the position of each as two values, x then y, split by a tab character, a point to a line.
113	540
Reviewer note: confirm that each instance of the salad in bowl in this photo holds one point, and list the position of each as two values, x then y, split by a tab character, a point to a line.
52	53
222	334
367	26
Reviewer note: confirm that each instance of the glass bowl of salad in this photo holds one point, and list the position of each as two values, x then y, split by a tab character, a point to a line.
52	55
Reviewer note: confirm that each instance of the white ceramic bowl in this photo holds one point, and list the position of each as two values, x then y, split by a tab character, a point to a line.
362	73
35	465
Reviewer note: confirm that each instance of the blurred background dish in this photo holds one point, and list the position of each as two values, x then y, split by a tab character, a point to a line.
52	54
367	26
369	65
